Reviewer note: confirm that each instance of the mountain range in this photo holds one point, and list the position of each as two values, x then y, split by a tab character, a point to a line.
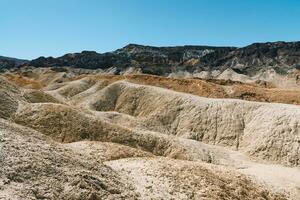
248	60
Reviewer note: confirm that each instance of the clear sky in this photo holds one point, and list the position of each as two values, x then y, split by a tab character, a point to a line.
31	28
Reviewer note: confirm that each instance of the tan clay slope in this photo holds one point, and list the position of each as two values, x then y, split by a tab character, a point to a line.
32	167
173	179
48	79
226	122
207	88
10	96
65	124
147	121
270	131
225	89
266	131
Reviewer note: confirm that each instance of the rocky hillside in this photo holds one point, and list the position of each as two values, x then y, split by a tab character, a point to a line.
6	62
150	60
280	56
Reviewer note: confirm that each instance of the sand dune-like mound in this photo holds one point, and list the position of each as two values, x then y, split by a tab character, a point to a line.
99	85
167	179
66	90
38	96
59	83
75	87
24	82
33	167
66	124
262	91
267	131
225	122
230	74
10	96
106	151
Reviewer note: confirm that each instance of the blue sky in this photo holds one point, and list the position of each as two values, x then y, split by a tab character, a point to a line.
31	28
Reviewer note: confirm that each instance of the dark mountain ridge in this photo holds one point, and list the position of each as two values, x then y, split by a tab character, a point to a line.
280	56
7	62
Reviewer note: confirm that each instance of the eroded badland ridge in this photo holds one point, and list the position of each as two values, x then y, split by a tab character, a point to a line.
218	123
